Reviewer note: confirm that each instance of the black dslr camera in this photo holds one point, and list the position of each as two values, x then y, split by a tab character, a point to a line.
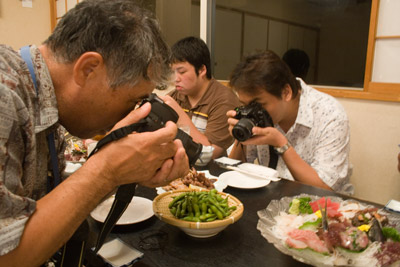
159	115
250	116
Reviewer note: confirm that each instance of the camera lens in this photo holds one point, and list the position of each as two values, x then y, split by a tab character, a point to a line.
159	115
193	149
242	130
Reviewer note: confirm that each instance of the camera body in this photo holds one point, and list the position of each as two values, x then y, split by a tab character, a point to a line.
159	115
250	116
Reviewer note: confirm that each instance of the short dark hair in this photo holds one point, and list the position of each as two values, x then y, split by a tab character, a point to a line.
265	71
194	51
298	62
127	36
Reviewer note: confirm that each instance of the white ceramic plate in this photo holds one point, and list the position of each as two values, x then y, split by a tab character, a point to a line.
140	209
243	181
71	167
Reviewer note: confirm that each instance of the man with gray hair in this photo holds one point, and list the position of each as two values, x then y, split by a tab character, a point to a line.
102	59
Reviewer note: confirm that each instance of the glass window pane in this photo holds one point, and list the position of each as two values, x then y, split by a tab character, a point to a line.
253	40
228	45
333	33
178	19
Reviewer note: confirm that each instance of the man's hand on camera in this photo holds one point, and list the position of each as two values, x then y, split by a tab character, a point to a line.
231	119
149	158
266	136
173	168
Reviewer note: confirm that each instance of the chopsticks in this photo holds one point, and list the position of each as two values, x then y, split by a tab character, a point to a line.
255	175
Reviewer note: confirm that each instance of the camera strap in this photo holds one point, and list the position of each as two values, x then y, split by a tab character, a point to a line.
118	134
273	158
124	193
26	56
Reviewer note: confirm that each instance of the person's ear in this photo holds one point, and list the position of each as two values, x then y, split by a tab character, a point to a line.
287	93
203	71
87	66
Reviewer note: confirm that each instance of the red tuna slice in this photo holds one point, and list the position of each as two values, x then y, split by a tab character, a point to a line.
331	212
308	237
331	207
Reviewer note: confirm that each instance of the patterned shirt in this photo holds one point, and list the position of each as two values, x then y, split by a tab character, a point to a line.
209	114
320	136
26	118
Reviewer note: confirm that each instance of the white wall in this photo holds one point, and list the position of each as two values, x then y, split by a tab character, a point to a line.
375	135
21	26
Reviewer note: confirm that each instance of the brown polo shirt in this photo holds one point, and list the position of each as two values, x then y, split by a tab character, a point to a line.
209	114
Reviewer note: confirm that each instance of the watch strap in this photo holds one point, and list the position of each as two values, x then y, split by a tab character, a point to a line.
282	149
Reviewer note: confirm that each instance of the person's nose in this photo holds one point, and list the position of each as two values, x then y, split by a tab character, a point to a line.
177	77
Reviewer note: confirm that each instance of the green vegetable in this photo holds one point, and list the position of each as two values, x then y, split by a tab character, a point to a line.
313	226
300	206
176	199
294	207
200	206
392	233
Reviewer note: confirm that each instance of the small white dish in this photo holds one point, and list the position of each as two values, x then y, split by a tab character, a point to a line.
227	161
71	167
118	253
205	156
242	181
139	210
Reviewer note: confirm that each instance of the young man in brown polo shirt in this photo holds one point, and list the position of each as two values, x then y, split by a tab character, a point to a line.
200	100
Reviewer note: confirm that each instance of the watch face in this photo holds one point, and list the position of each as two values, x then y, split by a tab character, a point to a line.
282	149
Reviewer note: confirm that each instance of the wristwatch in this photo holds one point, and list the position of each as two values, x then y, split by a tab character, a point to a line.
282	149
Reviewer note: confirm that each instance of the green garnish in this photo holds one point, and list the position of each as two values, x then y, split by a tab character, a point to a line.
300	206
313	226
392	233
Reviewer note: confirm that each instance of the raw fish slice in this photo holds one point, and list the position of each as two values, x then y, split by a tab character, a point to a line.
310	238
293	243
332	207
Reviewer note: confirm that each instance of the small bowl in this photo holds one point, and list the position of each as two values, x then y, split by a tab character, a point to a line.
195	229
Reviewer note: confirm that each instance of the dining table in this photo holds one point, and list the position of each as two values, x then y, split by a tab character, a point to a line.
240	244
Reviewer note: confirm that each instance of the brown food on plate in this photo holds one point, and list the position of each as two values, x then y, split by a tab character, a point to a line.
192	178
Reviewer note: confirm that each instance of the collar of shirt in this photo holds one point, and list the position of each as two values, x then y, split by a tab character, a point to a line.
304	115
203	100
47	103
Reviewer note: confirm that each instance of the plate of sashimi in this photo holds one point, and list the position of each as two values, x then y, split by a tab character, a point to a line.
330	231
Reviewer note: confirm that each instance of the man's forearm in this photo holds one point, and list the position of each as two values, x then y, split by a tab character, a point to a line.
57	216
